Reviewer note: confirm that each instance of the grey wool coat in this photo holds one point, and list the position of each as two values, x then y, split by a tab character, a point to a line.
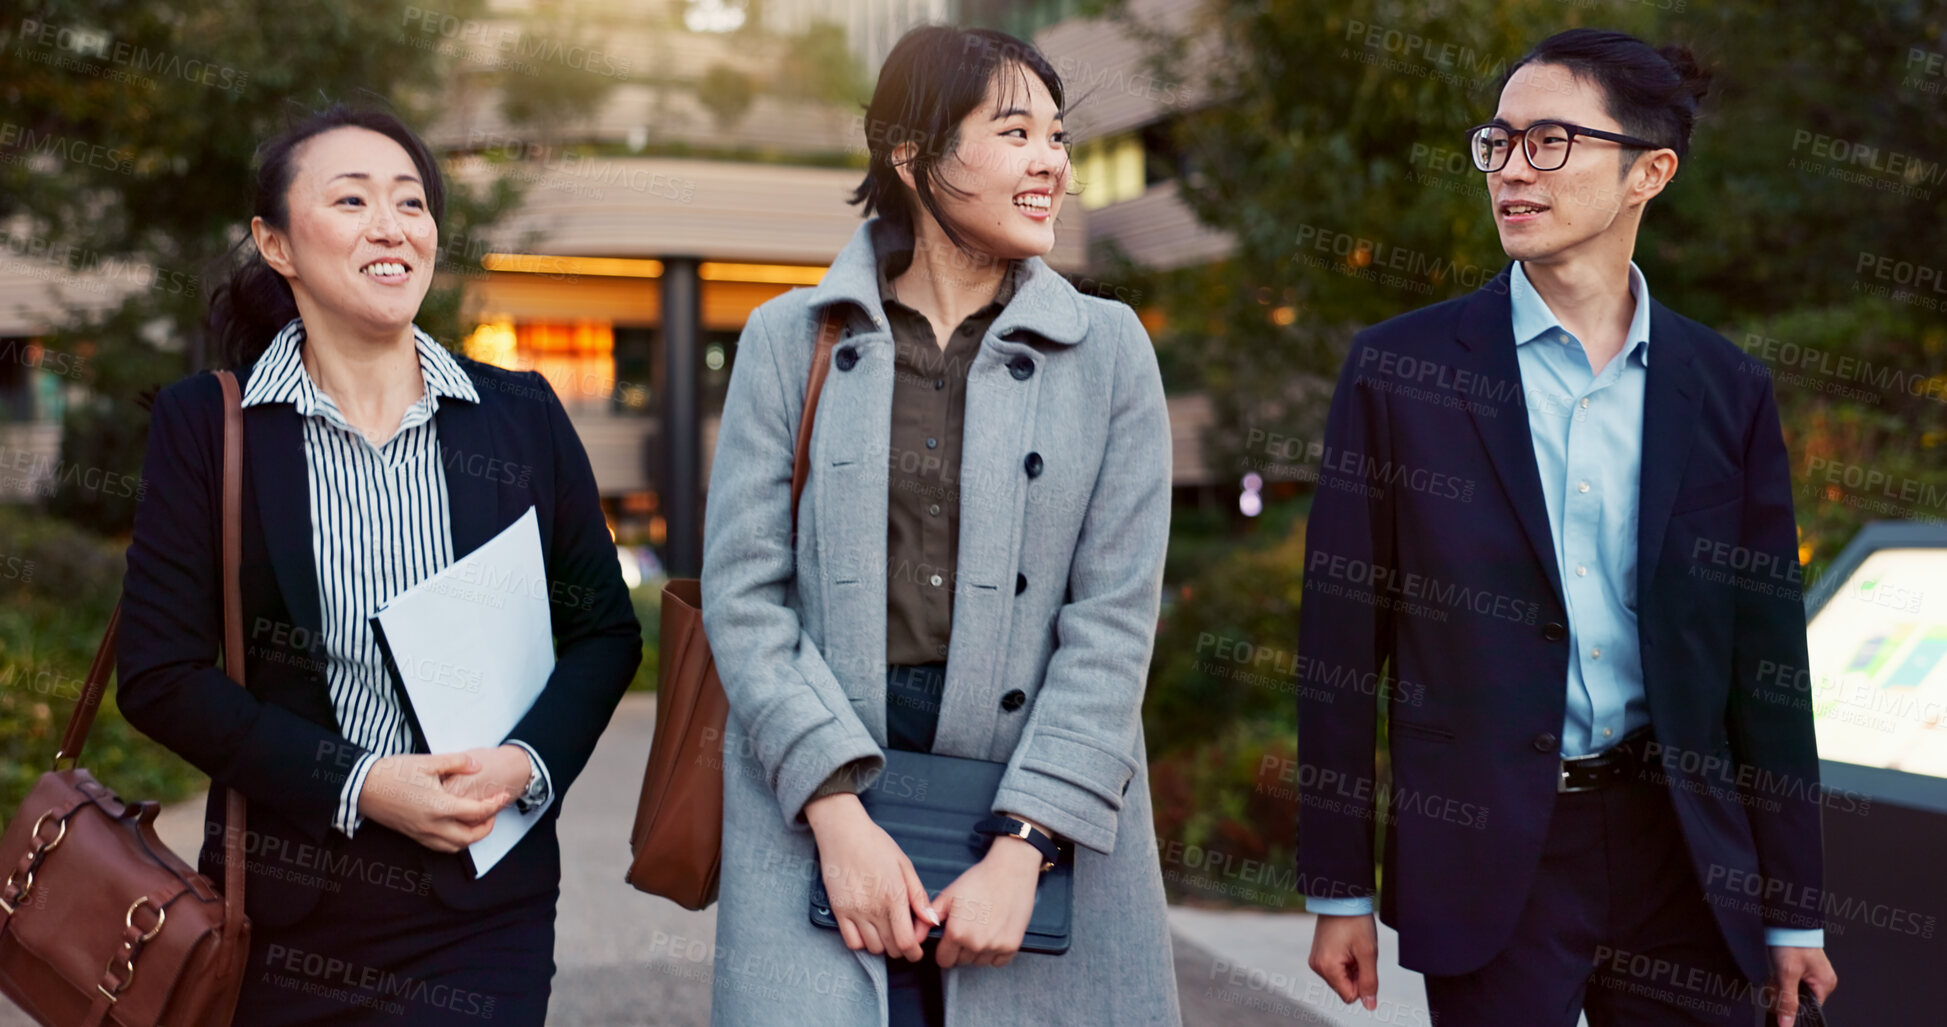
1060	574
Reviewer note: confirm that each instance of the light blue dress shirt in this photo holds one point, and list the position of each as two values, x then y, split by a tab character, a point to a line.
1587	429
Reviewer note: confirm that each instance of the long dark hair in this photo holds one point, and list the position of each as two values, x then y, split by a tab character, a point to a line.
933	78
1653	93
250	303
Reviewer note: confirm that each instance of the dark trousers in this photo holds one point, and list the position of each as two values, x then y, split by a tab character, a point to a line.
381	948
914	991
1616	926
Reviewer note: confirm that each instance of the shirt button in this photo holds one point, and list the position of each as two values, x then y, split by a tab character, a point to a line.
935	580
1585	402
1608	731
1581	486
932	443
939	650
1596	653
934	509
1581	571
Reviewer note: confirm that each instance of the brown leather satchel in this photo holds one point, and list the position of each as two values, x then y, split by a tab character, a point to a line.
678	835
94	896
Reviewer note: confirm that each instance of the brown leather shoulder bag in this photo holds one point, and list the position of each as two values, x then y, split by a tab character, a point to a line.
677	840
99	922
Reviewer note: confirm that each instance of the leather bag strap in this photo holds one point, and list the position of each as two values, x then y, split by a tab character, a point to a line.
821	365
235	822
83	717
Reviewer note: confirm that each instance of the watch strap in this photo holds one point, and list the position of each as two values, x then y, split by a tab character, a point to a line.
996	825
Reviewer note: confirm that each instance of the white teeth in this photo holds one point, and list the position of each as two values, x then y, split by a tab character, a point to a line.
384	267
1033	201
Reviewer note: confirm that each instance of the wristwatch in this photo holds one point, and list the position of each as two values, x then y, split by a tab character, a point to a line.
1050	852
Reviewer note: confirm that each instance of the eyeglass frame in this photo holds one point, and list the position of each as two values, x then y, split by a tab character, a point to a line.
1572	129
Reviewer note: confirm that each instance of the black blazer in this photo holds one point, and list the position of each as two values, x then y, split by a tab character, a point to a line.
279	741
1467	605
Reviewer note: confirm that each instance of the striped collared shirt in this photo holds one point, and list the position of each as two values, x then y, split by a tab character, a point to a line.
379	525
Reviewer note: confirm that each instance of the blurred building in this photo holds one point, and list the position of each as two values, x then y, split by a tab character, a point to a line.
871	26
656	220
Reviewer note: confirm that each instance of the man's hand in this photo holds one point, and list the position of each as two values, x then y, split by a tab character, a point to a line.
1788	965
406	794
987	908
1345	951
875	894
504	768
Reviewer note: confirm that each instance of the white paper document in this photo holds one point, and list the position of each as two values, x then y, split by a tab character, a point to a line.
473	646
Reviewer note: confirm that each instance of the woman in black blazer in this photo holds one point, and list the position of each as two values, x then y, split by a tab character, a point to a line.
373	458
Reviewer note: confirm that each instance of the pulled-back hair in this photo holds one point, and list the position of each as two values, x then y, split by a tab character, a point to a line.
1652	93
251	301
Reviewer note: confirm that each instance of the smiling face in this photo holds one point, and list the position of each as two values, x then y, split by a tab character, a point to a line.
1002	186
1585	205
359	246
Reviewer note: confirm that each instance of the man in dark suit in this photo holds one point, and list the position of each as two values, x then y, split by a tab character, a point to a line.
1593	756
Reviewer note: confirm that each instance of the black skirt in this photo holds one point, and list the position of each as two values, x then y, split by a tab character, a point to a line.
381	948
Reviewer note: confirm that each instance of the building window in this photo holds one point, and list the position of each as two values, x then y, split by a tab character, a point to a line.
1110	169
576	357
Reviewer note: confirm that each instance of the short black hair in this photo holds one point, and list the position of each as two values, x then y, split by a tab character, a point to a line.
933	78
1652	93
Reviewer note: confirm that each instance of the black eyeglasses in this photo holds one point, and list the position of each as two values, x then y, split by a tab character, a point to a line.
1544	143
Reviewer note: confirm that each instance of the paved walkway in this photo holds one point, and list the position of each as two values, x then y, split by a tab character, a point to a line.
625	959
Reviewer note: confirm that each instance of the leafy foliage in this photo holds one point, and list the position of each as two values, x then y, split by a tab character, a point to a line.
727	92
1334	161
57	586
1814	183
138	124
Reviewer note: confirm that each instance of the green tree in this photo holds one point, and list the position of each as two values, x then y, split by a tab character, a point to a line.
129	141
1330	152
1332	156
819	66
557	73
727	93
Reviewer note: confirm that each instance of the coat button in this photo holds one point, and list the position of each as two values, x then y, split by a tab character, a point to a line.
1013	700
939	650
1544	742
1033	465
1021	367
846	358
1020	583
1553	632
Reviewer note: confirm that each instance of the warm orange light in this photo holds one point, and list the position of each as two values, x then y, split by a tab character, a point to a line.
760	274
632	267
552	264
493	342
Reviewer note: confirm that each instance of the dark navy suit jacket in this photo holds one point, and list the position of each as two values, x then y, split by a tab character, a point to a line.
279	740
1464	600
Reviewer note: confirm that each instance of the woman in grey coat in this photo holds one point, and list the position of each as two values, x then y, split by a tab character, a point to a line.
976	573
